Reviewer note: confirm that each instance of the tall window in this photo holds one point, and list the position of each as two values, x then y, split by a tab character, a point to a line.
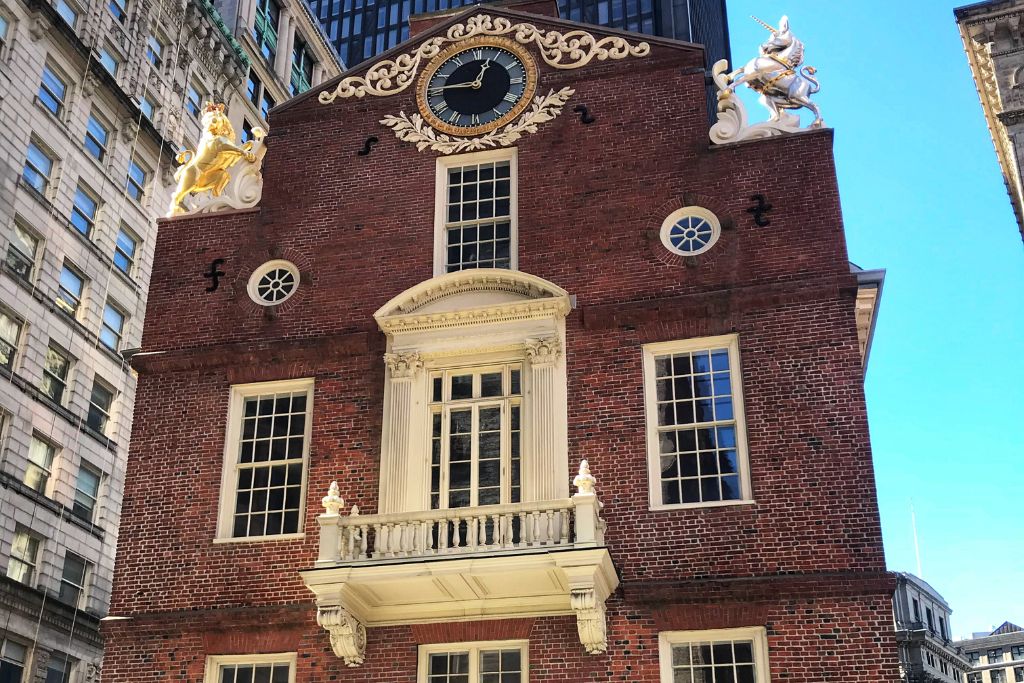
154	51
83	211
136	180
70	289
73	580
52	91
101	402
997	676
5	30
695	441
193	101
931	618
995	655
147	107
23	251
55	373
302	67
1018	674
97	135
720	656
475	436
24	558
917	610
108	60
273	668
40	462
112	328
942	627
974	677
124	250
1017	652
38	168
59	668
10	336
87	490
265	27
254	87
478	223
12	660
266	452
118	8
246	131
266	104
68	12
483	662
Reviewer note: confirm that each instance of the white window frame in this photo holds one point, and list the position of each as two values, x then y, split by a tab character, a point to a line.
65	382
105	146
510	155
83	595
474	648
214	662
229	473
13	245
33	565
650	351
758	634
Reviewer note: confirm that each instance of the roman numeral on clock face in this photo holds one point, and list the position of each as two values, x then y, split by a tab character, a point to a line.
474	120
515	81
453	117
510	97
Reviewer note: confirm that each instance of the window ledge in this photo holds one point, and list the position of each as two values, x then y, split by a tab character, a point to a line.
702	506
36	194
8	481
260	539
53	117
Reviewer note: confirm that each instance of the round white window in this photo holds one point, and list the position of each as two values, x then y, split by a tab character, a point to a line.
690	231
273	282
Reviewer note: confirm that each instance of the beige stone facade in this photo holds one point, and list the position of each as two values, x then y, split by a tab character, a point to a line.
96	99
993	37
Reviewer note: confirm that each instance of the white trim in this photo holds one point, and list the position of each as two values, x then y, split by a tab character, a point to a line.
214	662
239	393
679	214
650	351
758	634
257	274
473	648
441	200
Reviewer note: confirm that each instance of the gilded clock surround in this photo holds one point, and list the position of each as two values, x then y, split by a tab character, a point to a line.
529	66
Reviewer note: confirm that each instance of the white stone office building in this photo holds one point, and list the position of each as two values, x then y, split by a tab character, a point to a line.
993	37
996	657
96	98
922	616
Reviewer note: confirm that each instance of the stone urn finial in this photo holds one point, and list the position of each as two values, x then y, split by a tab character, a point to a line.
333	502
584	481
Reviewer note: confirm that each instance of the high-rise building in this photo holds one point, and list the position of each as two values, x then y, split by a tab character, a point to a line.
923	628
361	29
506	383
995	657
994	41
96	98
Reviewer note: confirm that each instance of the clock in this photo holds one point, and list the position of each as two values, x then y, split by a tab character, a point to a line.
476	86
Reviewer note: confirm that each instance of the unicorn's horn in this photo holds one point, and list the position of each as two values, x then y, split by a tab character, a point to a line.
771	28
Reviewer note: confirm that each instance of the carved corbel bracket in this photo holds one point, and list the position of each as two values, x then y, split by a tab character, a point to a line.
348	635
403	365
590	619
543	351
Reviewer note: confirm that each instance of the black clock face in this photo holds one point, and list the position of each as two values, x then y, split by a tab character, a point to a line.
476	87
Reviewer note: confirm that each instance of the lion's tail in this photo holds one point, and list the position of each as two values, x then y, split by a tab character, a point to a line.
808	73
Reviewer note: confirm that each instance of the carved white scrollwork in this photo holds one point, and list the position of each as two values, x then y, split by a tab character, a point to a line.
403	365
414	129
543	351
590	619
569	50
348	635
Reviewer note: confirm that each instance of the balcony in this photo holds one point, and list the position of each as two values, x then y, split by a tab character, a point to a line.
528	559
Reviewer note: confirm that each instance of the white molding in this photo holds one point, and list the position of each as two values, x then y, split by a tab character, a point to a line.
758	634
473	648
677	215
236	400
441	200
650	351
214	662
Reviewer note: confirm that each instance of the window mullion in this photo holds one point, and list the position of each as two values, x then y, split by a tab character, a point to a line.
443	500
474	458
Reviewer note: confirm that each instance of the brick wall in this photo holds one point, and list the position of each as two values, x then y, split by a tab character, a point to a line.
591	201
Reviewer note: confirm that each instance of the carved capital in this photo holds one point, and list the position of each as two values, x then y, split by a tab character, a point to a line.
403	365
92	672
348	635
543	351
590	619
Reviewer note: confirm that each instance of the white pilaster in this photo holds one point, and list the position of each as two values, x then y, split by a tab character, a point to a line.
545	465
402	461
285	34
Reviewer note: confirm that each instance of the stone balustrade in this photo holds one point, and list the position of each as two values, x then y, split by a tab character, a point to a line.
567	523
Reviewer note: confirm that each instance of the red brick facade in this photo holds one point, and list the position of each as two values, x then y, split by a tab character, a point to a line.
804	560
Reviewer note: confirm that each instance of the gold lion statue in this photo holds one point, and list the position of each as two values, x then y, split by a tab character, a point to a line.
206	169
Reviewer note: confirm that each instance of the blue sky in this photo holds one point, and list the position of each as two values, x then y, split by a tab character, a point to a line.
923	198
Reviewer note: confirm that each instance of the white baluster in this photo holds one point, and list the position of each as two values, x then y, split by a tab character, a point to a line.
563	518
550	519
